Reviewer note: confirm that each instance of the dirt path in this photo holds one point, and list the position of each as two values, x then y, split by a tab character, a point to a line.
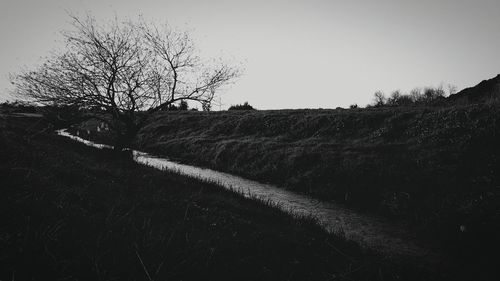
389	238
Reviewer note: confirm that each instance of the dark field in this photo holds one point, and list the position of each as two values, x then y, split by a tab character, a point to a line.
70	212
73	212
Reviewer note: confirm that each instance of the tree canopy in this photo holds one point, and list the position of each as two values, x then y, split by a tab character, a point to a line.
121	69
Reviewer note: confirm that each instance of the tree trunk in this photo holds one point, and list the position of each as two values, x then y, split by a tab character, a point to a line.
125	138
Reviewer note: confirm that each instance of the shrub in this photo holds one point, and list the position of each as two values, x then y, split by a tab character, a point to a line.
244	106
398	99
379	98
395	97
431	94
417	96
20	106
183	105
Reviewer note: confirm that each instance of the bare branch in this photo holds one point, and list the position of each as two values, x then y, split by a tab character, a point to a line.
124	68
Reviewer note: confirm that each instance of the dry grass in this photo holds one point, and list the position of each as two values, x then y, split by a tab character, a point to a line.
73	212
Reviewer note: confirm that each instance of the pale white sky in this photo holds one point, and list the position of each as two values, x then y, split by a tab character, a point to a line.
296	54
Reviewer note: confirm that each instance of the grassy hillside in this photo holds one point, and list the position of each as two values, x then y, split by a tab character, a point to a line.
384	158
72	212
488	91
436	167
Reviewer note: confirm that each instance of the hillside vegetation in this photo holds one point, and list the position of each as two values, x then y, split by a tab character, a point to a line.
435	167
348	155
70	212
488	91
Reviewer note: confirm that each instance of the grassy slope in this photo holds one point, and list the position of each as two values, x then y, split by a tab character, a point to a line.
436	167
384	158
73	212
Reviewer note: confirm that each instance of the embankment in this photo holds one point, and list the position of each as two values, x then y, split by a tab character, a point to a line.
73	212
434	167
399	161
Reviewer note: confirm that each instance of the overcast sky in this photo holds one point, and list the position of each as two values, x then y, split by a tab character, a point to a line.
296	54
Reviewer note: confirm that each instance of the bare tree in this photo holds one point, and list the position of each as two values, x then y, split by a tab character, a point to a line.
393	100
379	98
123	72
432	94
452	89
181	74
416	95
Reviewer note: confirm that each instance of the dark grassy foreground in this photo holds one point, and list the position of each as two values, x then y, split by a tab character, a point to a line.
70	212
435	167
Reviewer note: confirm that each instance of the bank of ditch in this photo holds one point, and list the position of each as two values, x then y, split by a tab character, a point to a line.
69	211
433	167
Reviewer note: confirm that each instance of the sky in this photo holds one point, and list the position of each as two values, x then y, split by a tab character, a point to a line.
295	54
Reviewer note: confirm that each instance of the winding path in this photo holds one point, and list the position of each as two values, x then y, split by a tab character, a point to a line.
372	232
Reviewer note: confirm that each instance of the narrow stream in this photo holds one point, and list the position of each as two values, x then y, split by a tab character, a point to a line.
369	231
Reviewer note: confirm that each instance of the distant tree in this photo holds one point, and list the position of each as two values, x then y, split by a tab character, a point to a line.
244	106
379	98
206	106
125	70
440	92
452	89
416	95
394	98
428	93
171	107
183	105
405	100
399	99
353	106
431	94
